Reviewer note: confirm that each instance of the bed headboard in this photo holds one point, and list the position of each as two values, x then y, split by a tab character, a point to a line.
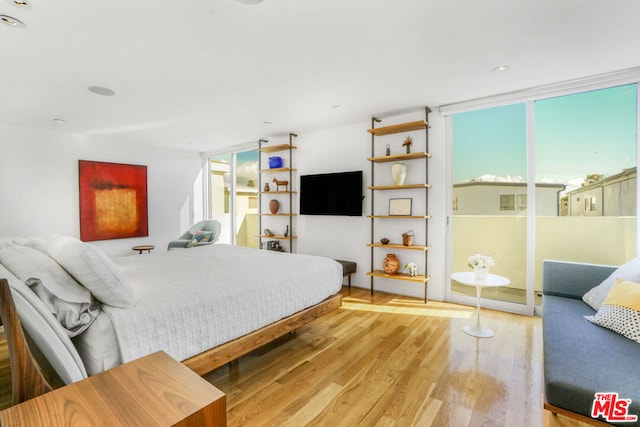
45	331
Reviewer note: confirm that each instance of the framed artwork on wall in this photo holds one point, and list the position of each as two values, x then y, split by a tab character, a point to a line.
400	207
113	200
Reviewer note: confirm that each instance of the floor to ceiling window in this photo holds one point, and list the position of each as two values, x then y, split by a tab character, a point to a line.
552	178
234	196
490	196
587	143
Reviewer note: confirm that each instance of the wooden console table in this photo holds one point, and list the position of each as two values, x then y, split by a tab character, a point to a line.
154	390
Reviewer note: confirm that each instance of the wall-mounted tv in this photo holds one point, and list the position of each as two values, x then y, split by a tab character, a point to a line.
331	194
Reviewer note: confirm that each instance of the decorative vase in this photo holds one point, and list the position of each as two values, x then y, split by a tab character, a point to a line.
275	162
391	264
481	273
399	172
274	206
407	238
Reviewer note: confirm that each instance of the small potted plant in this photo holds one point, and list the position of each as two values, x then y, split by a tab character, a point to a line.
480	264
407	143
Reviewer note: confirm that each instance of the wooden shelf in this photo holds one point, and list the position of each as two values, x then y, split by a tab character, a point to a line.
278	192
399	246
279	147
276	237
399	128
398	187
397	157
276	170
399	276
278	214
401	216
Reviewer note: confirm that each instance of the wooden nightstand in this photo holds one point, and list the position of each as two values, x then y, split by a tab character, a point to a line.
154	390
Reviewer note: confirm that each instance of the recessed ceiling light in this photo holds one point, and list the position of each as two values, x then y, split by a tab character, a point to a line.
501	68
12	22
99	90
249	2
267	123
337	107
20	3
58	121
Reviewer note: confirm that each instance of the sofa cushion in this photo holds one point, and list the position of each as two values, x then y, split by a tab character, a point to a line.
629	271
620	310
581	358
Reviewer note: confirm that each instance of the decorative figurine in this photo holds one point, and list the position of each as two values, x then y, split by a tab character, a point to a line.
268	232
266	187
407	143
411	268
286	232
388	152
279	184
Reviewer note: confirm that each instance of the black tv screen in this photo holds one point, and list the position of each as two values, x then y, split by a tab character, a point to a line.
331	194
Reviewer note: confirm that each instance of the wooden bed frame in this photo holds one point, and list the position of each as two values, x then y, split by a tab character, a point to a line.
209	360
31	376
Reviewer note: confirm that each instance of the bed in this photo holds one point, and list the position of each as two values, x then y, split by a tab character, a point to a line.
204	306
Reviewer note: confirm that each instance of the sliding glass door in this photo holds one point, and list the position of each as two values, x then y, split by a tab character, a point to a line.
547	179
587	143
234	196
489	214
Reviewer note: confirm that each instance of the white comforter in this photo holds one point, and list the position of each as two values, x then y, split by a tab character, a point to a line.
191	300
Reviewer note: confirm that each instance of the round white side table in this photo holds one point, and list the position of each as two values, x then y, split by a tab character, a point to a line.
492	280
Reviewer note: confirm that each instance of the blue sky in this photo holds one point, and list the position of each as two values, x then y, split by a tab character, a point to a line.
591	132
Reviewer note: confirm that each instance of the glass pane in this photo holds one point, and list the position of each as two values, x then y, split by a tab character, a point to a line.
247	199
219	197
586	144
490	196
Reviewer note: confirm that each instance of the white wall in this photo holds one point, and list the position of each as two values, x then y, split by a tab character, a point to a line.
39	185
347	148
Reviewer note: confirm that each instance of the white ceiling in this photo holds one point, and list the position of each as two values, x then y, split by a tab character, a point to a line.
196	74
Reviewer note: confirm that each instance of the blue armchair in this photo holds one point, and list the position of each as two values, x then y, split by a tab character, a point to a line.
185	241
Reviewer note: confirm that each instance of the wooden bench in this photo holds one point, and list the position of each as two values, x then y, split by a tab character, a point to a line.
349	268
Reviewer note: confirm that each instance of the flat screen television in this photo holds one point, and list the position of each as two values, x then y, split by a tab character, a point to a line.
331	194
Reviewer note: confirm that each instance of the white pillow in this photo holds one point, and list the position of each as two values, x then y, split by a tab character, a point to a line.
27	263
629	271
93	269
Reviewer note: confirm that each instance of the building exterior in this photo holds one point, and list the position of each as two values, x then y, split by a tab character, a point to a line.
611	196
504	198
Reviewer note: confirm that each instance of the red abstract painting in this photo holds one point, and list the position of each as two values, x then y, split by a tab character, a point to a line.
113	201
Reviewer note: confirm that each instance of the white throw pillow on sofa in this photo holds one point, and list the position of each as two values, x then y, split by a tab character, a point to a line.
629	271
93	269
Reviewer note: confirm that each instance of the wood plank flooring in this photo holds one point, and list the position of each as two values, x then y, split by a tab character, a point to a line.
387	360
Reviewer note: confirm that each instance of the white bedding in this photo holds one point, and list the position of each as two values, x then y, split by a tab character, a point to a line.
191	300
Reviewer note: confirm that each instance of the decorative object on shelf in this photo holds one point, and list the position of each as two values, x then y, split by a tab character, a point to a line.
480	264
384	241
411	268
399	207
268	232
274	206
266	187
391	264
399	172
407	238
286	232
275	162
388	151
279	184
407	143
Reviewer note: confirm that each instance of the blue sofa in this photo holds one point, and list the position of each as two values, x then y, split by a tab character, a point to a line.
581	358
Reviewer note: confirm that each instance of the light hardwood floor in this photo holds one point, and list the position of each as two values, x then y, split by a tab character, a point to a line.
387	360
